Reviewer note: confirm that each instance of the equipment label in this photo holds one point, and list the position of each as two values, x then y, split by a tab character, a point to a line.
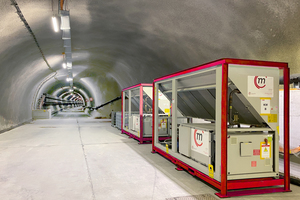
265	106
253	163
265	150
200	141
162	124
136	123
260	86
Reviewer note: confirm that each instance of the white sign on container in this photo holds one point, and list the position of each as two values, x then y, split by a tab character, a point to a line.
260	86
137	123
200	141
265	106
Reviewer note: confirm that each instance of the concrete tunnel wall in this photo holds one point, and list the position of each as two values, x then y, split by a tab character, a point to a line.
116	44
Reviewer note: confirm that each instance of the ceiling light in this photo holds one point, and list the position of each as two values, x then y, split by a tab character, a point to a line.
69	79
55	25
69	65
65	20
64	65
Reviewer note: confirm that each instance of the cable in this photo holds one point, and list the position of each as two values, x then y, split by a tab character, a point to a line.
19	12
33	105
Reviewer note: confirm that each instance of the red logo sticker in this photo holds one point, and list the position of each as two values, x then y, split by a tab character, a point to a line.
199	137
253	163
260	82
256	152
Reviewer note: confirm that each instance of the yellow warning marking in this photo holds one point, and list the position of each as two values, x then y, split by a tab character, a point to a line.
265	150
272	118
211	171
167	148
167	110
290	89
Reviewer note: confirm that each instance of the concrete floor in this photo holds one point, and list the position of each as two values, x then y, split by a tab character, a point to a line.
84	158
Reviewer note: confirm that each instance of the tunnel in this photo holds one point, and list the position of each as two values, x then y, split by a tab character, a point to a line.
121	43
117	44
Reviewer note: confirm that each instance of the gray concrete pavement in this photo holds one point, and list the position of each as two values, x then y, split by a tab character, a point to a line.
85	158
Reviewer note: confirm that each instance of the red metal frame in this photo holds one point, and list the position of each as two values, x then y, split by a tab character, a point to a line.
141	139
122	110
280	65
286	79
137	85
224	129
225	185
253	183
153	118
141	113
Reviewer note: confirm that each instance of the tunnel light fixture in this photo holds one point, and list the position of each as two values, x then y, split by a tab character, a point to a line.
65	20
66	34
69	65
68	55
68	50
65	26
64	65
67	43
71	90
55	24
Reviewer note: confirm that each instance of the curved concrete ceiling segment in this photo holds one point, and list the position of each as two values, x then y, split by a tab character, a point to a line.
116	44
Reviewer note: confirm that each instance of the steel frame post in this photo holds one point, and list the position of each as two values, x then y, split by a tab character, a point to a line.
286	101
129	107
224	109
174	115
122	109
153	116
141	114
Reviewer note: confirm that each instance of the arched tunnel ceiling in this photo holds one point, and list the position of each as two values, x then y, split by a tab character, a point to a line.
119	43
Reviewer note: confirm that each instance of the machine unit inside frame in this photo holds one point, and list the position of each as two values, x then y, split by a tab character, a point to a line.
137	112
253	106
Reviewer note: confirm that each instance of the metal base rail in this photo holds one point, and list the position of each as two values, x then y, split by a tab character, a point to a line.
235	186
143	139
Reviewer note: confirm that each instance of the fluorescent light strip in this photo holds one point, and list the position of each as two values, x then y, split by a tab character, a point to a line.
55	25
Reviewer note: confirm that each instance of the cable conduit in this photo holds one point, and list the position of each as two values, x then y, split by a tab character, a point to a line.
19	12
